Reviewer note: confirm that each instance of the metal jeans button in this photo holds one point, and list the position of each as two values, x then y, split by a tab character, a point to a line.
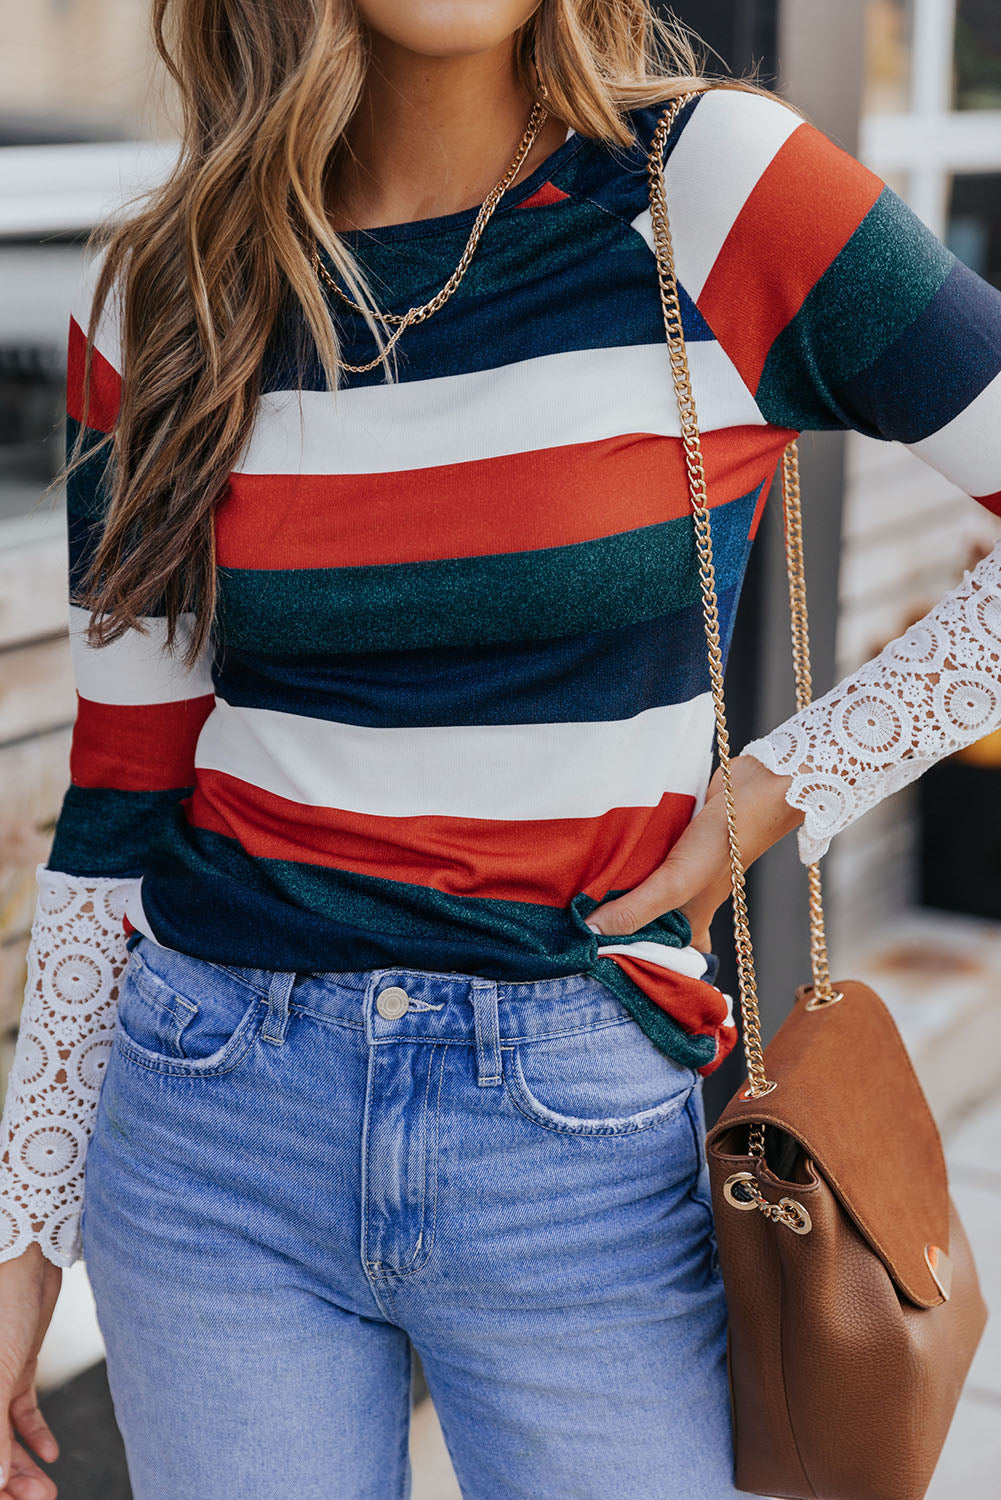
392	1002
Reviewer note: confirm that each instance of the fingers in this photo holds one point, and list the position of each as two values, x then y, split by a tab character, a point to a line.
26	1415
27	1481
28	1287
695	875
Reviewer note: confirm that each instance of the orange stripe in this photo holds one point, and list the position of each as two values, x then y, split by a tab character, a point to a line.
549	497
696	1004
726	1040
105	384
540	862
753	293
137	748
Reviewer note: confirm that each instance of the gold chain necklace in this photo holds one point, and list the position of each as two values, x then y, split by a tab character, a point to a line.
536	120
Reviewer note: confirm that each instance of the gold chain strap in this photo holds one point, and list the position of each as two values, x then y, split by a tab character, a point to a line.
792	515
536	120
823	994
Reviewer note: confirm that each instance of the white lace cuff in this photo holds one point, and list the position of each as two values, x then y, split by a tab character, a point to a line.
75	956
929	692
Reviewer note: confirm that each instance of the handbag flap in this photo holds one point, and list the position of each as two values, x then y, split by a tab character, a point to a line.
847	1091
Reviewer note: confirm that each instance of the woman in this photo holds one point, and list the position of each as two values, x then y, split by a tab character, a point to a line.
393	695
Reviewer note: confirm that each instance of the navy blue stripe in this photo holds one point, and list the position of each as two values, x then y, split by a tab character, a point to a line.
87	500
614	178
303	916
948	356
594	289
88	497
605	674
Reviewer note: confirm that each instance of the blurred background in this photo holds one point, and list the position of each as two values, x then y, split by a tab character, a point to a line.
913	891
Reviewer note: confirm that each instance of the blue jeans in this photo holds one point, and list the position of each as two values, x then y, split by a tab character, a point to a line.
294	1176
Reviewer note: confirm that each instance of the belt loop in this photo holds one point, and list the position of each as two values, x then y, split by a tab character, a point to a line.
279	991
487	1022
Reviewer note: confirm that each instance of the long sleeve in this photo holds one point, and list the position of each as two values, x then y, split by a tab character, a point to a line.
138	715
75	957
840	309
929	692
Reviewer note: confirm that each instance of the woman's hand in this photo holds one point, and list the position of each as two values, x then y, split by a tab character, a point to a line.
695	876
29	1286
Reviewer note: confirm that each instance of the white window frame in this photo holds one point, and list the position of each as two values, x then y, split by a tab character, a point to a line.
931	142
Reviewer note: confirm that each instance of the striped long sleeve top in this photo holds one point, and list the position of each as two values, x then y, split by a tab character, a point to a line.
457	693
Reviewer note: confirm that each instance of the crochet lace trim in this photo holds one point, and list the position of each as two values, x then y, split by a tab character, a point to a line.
75	957
931	691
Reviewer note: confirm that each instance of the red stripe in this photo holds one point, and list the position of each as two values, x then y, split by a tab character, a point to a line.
776	252
550	497
990	502
695	1003
547	193
137	748
105	384
726	1040
698	1006
540	862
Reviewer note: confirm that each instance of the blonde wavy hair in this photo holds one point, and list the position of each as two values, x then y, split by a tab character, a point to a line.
202	270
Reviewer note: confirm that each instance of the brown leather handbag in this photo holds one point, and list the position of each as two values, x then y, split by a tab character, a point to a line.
854	1307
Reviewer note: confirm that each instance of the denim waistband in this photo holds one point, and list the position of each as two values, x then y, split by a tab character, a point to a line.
426	1006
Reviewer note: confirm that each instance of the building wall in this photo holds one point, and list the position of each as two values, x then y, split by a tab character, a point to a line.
91	60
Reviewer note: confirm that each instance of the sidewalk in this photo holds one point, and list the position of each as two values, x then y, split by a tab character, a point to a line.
971	1459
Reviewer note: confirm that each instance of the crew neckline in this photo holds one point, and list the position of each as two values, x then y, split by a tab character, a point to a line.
465	218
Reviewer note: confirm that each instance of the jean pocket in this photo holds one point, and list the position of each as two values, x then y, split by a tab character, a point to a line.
604	1080
181	1015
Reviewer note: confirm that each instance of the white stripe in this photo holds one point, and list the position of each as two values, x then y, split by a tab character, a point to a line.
107	337
581	396
729	142
690	961
136	668
967	450
505	771
135	913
